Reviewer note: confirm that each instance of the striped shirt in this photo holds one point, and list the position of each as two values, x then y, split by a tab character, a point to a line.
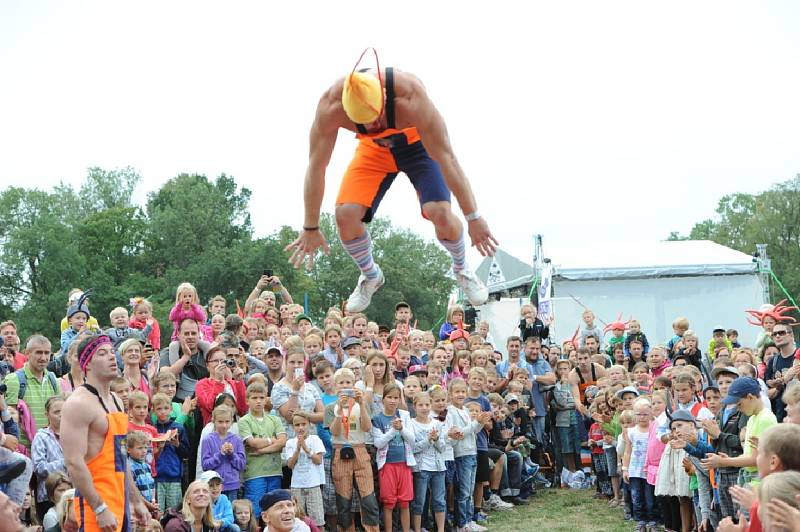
37	393
140	471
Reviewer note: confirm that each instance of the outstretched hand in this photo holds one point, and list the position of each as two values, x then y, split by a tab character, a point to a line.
482	237
304	247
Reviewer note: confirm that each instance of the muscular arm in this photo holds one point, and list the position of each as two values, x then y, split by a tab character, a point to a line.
77	417
433	132
322	140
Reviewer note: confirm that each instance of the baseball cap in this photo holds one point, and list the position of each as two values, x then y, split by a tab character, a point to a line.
274	349
627	389
418	368
351	341
273	497
510	398
718	328
208	476
681	415
401	304
301	317
741	388
716	372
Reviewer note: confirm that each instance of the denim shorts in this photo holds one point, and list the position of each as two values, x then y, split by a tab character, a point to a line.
568	438
429	482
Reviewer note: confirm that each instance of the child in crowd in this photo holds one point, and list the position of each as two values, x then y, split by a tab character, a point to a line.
566	420
429	447
223	451
349	422
589	329
635	334
243	516
462	429
599	462
634	466
778	450
455	318
165	382
530	324
791	398
120	329
641	377
411	387
393	435
122	388
263	436
304	455
138	412
187	305
170	460
222	508
679	326
46	452
138	444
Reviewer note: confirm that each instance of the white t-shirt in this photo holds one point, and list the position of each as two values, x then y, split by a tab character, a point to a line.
306	474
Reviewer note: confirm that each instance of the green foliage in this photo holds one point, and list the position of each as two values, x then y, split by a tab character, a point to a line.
191	229
770	217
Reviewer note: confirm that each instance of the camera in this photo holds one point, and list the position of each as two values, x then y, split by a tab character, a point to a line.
349	392
3	389
231	363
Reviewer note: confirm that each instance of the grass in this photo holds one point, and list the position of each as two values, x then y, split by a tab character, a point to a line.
560	510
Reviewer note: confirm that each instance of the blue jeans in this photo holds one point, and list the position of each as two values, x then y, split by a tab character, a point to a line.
466	467
512	474
255	488
422	481
643	500
538	428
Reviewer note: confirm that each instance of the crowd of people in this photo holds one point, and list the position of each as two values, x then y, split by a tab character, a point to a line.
267	420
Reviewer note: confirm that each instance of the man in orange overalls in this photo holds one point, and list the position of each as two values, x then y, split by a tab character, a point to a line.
94	444
393	117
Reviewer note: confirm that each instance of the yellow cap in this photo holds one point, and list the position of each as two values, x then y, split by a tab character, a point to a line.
362	97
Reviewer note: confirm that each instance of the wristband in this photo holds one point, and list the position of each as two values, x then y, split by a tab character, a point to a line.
472	216
100	509
315	228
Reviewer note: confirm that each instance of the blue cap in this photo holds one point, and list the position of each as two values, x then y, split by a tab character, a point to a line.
273	497
741	388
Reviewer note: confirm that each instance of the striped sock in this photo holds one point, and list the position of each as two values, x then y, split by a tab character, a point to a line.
360	249
456	249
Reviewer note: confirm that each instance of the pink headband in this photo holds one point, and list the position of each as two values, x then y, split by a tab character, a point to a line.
89	350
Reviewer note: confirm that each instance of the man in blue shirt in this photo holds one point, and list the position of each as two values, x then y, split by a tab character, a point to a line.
541	374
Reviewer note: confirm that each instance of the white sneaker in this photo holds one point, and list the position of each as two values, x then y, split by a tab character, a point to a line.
362	295
496	503
472	526
473	288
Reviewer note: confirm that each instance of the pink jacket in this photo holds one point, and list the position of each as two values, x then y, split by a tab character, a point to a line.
654	451
196	313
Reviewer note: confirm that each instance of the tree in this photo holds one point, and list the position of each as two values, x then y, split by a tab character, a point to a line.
770	217
191	229
416	271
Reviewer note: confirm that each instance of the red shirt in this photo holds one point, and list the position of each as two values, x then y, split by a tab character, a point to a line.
596	435
150	430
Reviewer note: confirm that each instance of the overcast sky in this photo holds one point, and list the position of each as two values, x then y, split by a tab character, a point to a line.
589	122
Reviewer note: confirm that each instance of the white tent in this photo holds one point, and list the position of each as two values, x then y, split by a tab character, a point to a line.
654	282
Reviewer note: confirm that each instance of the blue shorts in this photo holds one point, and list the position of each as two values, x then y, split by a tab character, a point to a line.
377	162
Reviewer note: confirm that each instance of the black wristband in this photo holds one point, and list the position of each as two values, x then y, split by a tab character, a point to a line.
315	228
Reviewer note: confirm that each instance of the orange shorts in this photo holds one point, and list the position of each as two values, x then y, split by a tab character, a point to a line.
377	162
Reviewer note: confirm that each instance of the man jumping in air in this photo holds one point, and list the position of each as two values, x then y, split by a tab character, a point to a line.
393	117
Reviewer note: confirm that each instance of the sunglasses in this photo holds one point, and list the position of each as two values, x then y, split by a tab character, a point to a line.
780	333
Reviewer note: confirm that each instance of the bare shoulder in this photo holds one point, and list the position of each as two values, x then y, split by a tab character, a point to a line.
79	408
330	115
600	369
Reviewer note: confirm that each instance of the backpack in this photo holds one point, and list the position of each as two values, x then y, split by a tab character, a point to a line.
23	382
